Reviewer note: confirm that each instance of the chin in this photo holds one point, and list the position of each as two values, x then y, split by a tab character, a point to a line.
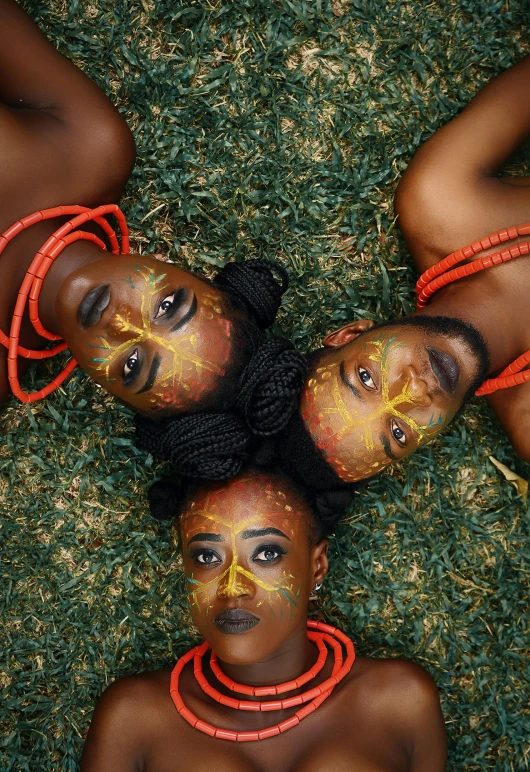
239	652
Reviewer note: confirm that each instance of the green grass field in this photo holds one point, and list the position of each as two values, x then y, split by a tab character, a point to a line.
269	128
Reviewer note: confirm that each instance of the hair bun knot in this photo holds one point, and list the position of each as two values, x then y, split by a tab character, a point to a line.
207	445
270	386
260	284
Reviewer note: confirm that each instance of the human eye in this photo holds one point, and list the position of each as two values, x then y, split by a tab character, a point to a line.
206	558
131	367
365	378
269	553
398	434
166	305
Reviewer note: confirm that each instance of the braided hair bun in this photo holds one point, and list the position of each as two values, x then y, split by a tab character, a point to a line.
254	283
214	445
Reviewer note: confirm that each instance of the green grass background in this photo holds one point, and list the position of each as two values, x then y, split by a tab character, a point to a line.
275	129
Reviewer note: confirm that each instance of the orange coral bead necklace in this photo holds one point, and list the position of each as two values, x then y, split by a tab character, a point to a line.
31	286
443	273
318	632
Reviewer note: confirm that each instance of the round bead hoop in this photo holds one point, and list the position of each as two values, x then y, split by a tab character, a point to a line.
443	273
31	286
317	631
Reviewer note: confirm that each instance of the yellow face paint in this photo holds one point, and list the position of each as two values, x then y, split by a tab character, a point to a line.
348	436
190	365
237	579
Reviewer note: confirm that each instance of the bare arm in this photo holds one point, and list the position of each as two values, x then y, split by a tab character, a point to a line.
59	133
449	196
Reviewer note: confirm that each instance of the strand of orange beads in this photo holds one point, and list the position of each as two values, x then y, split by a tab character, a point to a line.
32	284
314	697
443	273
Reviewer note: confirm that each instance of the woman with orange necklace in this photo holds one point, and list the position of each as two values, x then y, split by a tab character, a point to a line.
161	339
267	690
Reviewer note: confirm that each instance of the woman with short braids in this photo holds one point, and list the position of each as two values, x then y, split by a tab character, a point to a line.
161	339
268	690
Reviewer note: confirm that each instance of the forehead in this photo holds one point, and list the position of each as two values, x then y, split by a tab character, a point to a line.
243	504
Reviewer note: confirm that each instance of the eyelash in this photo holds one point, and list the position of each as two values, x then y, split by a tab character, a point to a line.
173	299
201	553
130	377
365	385
269	548
403	441
197	554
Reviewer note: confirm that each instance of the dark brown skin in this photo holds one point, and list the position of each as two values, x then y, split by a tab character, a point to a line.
62	142
372	398
383	717
450	196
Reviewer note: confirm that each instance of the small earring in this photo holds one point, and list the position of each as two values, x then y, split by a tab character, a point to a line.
317	587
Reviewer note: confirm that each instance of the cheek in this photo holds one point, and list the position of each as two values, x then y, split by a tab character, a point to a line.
194	370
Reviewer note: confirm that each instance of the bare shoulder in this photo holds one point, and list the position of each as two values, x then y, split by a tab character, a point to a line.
395	684
128	718
134	696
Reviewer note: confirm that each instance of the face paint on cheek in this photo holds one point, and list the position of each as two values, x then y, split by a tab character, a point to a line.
282	595
193	366
346	435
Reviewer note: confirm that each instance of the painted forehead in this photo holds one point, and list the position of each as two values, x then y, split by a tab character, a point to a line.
192	365
240	504
348	437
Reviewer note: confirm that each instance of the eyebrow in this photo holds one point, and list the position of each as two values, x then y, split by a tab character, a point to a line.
206	537
347	383
151	377
253	533
190	313
388	449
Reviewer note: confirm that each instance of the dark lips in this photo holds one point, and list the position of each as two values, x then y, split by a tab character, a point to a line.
235	620
92	306
445	369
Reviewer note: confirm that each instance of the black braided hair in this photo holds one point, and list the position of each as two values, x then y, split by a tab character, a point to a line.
167	496
214	445
253	283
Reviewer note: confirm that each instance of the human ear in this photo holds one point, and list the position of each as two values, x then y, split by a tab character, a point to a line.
320	562
347	333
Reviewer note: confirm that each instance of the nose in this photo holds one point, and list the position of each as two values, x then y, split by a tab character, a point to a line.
121	323
415	390
235	583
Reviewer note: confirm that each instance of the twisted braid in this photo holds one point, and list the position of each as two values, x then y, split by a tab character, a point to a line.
208	445
254	282
215	445
269	387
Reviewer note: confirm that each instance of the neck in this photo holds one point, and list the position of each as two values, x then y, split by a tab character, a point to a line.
296	655
474	302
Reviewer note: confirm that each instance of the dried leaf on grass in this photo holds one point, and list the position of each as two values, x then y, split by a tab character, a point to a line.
519	482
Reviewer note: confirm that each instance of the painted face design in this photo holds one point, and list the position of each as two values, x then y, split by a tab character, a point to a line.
189	369
361	427
246	547
281	592
153	334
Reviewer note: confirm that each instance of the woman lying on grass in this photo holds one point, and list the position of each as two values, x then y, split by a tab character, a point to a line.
161	339
374	395
254	551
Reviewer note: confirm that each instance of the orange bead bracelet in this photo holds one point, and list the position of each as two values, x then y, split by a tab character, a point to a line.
443	273
319	633
32	284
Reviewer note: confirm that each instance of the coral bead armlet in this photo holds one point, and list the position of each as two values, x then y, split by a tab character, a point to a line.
31	286
319	633
443	273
